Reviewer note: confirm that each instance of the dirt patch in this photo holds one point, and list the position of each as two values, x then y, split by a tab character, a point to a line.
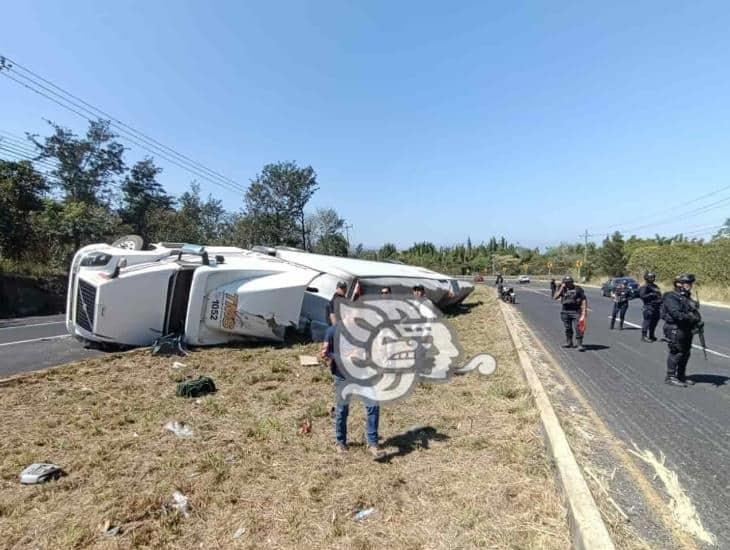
475	474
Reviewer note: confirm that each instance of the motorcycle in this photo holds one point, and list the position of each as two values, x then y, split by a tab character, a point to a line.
508	295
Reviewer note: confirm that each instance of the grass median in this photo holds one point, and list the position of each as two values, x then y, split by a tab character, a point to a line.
475	474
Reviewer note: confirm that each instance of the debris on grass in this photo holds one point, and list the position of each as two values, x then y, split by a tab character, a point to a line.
365	513
40	472
203	385
305	427
177	365
308	361
239	533
180	503
179	428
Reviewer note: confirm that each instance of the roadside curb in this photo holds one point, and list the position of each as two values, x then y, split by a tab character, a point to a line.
588	531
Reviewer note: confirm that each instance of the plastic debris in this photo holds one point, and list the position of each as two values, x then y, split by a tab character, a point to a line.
308	361
362	514
180	503
238	534
177	365
40	472
180	429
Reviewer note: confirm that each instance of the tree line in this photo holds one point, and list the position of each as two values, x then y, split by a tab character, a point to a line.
89	194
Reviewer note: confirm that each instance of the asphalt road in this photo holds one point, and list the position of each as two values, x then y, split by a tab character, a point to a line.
623	379
33	343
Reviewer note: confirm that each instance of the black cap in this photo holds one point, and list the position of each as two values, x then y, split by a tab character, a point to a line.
342	285
419	288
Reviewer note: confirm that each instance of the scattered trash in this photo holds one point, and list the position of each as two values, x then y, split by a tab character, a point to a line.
110	531
238	534
203	385
180	503
308	361
40	472
180	429
87	390
178	365
362	514
305	427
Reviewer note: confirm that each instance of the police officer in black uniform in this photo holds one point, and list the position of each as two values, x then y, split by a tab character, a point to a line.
575	305
553	287
651	295
681	318
621	296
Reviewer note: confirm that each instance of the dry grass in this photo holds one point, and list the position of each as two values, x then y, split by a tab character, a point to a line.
478	476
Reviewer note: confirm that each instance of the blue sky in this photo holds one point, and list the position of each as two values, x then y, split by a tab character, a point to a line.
424	121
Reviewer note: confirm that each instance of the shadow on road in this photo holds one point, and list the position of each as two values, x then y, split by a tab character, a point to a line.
716	380
595	347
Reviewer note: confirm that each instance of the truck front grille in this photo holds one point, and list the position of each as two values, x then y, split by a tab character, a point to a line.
86	305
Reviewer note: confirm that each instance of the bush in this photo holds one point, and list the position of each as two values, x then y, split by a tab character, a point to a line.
709	262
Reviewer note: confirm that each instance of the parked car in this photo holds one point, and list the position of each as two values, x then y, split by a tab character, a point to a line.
522	279
608	286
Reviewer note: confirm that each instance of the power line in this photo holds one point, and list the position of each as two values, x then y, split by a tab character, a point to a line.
190	166
117	121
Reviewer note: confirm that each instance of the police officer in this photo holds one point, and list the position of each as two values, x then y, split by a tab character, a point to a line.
651	295
499	280
681	317
621	296
553	287
575	306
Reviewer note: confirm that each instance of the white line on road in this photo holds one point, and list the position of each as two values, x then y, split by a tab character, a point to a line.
41	340
708	350
35	325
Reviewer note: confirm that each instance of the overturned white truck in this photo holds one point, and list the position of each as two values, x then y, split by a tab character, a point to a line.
215	295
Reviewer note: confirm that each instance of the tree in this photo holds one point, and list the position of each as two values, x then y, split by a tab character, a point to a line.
85	169
142	195
333	244
195	221
21	198
276	200
325	224
387	251
86	166
611	256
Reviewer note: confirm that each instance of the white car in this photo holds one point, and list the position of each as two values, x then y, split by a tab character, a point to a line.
522	279
215	295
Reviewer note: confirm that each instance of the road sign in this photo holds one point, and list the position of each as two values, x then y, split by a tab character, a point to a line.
550	265
579	264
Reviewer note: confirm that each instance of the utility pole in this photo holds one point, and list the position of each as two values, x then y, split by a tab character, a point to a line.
585	250
347	227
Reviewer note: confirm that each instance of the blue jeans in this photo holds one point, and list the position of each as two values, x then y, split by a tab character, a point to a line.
342	410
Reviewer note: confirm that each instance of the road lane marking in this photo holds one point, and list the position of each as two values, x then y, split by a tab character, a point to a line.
696	346
35	325
38	340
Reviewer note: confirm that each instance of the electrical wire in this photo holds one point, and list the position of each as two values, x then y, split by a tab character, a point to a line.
37	88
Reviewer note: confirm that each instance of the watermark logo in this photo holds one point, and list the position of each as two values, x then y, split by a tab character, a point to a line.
385	346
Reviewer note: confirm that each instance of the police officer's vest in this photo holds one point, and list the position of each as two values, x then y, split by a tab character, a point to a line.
570	299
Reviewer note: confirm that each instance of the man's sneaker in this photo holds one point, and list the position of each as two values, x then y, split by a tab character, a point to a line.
687	381
673	381
341	447
653	339
645	339
581	347
568	345
376	451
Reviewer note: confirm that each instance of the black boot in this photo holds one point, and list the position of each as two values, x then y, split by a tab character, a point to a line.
613	322
568	342
621	325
